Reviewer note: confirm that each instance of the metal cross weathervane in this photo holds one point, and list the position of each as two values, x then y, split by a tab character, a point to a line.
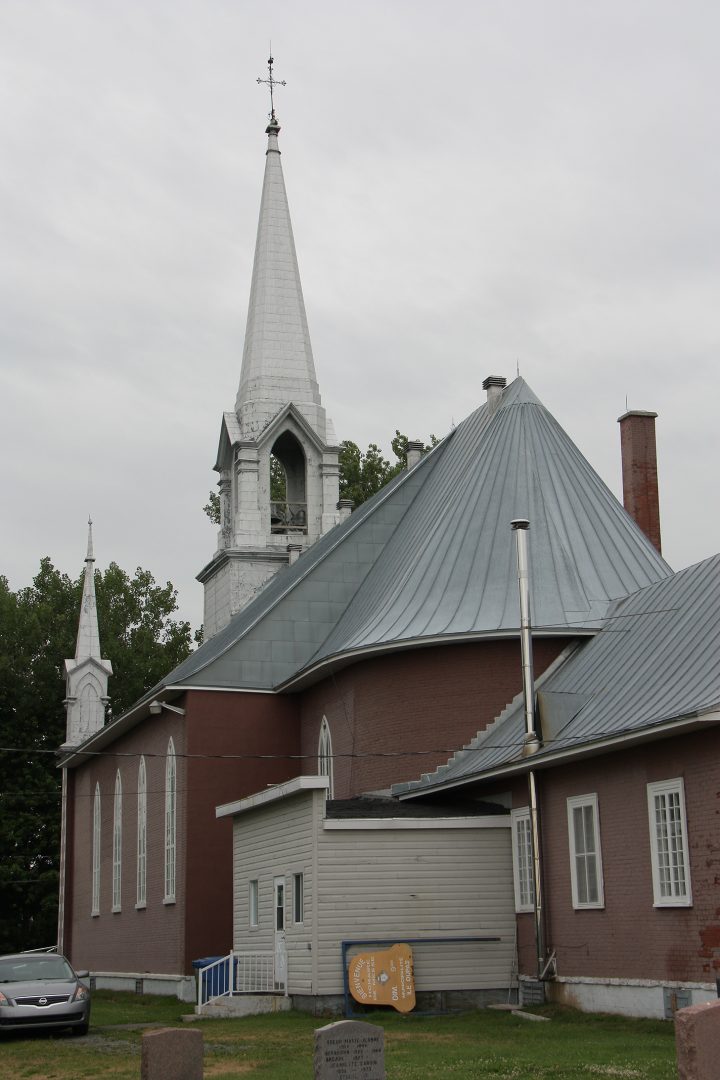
272	83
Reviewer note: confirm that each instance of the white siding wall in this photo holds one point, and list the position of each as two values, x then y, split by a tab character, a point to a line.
395	883
277	841
406	883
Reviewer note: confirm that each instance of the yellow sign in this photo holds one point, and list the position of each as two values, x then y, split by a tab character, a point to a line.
384	978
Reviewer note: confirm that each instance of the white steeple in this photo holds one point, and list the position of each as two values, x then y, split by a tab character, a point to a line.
277	363
87	675
278	419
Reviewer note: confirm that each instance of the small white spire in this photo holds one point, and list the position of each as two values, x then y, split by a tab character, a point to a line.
88	639
87	675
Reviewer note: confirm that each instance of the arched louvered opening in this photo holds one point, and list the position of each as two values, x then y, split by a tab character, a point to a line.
288	485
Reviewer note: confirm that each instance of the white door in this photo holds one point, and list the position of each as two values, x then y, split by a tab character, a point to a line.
280	944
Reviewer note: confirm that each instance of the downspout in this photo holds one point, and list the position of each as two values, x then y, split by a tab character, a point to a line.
532	742
63	867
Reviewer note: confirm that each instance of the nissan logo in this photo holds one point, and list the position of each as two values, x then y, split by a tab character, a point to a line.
42	1001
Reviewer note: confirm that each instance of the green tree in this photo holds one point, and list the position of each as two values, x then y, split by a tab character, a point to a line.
362	473
38	629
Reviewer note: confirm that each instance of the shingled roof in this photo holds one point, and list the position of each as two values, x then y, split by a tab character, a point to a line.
430	558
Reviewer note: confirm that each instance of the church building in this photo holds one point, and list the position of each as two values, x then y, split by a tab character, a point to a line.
360	649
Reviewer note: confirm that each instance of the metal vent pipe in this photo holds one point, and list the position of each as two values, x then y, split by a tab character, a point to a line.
532	740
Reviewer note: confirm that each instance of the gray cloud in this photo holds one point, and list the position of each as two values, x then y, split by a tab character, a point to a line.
473	186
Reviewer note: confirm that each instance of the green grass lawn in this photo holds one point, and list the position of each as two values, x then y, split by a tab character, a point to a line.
483	1044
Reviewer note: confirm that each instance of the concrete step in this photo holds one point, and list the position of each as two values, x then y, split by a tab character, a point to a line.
243	1005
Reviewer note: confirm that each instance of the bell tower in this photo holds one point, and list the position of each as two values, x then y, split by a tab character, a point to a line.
278	455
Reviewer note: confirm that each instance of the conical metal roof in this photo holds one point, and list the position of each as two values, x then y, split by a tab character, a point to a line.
431	557
450	570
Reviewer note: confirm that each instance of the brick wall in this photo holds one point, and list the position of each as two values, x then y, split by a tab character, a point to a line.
629	938
220	724
166	938
149	939
433	699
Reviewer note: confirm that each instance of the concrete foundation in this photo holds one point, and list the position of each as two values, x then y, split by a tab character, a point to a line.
183	987
625	997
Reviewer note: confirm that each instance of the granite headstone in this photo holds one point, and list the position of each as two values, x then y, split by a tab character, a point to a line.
350	1050
172	1054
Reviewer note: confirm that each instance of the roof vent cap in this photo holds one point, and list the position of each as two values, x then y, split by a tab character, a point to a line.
494	385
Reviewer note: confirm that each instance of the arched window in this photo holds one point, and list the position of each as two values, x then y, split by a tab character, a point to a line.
325	760
170	822
97	822
141	897
117	845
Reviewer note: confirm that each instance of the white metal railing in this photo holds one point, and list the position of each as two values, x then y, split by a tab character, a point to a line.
239	973
255	973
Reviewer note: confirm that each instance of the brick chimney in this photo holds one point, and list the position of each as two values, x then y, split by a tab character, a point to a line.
639	472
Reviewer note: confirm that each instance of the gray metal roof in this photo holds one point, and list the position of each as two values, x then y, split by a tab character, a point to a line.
431	557
278	632
655	661
451	569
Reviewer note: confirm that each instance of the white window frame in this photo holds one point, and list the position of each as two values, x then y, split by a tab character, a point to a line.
669	851
253	903
96	851
141	888
325	755
170	823
117	845
298	898
585	852
522	857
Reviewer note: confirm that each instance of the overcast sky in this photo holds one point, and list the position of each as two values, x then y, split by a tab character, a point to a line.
473	185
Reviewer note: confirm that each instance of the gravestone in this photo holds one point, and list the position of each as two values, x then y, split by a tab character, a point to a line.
172	1054
350	1050
697	1041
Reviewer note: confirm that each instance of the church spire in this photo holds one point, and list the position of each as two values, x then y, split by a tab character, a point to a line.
277	364
87	675
277	456
88	639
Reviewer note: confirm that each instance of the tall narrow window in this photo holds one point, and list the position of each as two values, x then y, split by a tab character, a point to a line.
117	845
325	760
585	856
141	895
522	859
170	822
298	897
96	837
669	844
253	903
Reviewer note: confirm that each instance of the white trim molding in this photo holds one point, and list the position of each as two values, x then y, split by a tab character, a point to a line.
490	821
669	850
170	823
586	873
522	859
117	845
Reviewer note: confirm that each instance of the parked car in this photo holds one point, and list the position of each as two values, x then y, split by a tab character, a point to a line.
41	990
